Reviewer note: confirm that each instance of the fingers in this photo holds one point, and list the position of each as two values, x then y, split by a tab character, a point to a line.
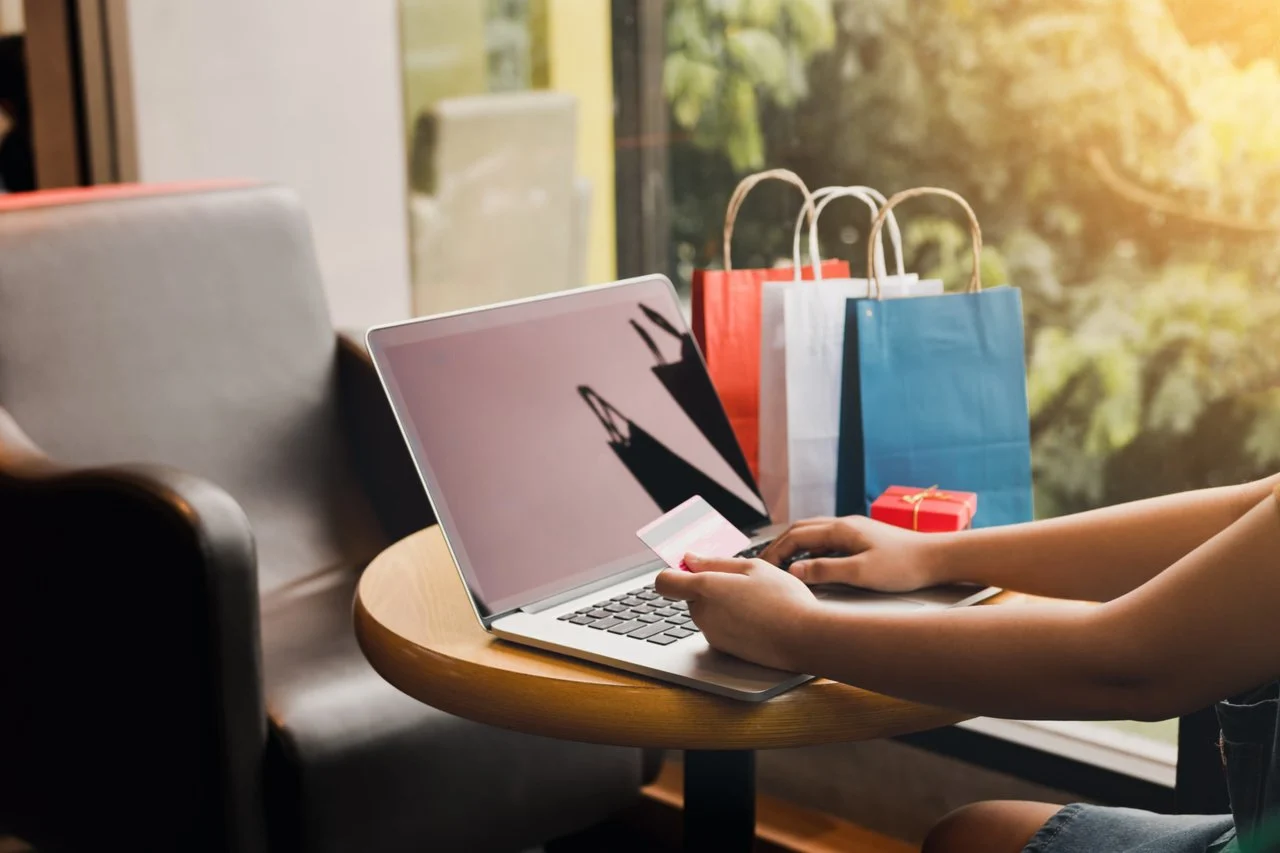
729	565
827	570
816	536
691	584
682	586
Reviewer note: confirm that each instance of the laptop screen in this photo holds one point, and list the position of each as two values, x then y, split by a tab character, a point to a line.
547	432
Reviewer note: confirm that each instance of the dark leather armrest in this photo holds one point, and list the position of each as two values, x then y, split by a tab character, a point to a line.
378	447
129	649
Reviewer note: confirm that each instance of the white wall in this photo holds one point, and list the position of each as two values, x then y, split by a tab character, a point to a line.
305	93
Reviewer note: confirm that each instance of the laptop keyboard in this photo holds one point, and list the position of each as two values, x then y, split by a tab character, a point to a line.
641	614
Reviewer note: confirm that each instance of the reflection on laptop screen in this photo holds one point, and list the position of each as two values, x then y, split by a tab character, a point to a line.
548	432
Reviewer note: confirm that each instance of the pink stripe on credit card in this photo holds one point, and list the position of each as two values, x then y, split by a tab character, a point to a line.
694	527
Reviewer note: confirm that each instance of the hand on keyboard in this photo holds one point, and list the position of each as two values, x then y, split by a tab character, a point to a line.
756	550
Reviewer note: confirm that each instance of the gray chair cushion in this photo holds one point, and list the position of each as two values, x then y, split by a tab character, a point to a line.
141	351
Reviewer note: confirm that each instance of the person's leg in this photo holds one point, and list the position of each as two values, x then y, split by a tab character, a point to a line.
1003	826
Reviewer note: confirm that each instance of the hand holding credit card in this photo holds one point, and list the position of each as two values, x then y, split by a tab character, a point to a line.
694	527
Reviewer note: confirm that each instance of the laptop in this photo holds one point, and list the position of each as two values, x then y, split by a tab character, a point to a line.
547	431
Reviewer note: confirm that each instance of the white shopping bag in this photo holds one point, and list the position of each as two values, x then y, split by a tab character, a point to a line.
772	460
802	356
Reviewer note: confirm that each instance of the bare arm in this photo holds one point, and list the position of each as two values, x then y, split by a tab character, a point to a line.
1102	554
1198	631
1093	556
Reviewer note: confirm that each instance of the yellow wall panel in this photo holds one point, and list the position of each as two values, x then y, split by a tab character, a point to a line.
579	59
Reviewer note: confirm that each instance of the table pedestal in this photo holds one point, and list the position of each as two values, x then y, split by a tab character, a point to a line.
719	800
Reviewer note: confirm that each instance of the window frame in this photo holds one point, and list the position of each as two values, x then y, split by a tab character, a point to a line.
1005	750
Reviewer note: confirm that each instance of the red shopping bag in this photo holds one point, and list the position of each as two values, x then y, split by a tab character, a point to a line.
726	319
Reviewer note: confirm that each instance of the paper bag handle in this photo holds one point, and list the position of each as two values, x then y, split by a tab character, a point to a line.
873	198
975	232
745	186
605	413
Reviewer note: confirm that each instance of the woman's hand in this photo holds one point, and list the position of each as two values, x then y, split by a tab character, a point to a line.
881	557
747	608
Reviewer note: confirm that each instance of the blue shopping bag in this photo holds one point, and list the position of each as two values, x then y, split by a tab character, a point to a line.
934	391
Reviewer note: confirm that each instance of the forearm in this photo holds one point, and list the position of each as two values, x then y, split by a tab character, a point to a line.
1197	632
1097	555
1032	662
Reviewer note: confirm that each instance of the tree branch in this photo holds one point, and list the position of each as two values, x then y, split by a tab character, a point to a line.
1131	191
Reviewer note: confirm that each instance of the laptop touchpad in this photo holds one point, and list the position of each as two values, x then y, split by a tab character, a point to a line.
862	600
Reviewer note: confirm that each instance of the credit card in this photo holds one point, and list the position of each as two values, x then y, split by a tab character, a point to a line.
694	527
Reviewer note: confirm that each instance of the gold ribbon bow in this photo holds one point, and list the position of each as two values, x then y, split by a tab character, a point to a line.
930	493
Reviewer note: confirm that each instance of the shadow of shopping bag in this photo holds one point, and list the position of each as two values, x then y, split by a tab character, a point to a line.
726	319
688	384
935	392
667	477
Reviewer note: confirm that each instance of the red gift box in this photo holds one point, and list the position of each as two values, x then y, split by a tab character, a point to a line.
930	510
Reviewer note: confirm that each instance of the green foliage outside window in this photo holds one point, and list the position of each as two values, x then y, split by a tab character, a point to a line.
1127	180
724	57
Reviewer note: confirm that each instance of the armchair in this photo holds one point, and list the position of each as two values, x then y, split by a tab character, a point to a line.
194	469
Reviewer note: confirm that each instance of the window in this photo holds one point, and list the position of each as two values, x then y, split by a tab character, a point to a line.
509	115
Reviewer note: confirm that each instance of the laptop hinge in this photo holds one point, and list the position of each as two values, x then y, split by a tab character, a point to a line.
588	588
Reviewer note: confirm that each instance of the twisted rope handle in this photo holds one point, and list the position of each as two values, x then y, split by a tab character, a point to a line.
745	186
975	232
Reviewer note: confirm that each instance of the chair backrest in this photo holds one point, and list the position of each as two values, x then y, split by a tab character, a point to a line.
185	326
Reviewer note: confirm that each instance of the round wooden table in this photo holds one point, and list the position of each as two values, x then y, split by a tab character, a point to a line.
418	629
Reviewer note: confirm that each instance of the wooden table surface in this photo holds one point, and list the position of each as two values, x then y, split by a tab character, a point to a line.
418	629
